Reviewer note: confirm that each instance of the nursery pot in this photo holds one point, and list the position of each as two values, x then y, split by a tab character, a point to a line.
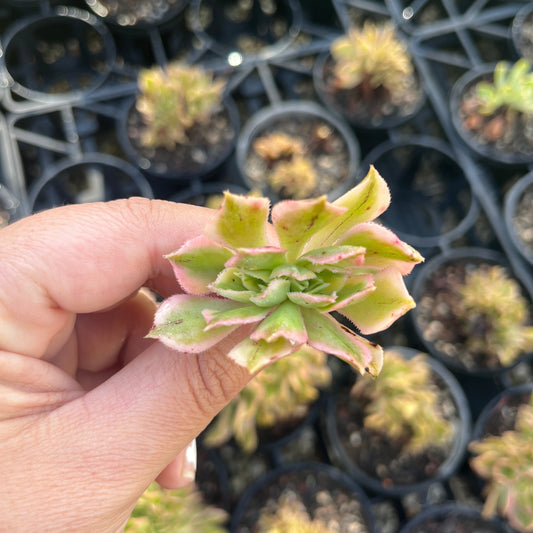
56	57
522	31
452	517
241	33
442	342
432	202
94	177
341	455
299	119
515	151
363	115
170	170
341	500
518	216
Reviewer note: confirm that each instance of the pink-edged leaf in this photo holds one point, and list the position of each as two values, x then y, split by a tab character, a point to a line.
383	306
265	258
197	263
305	299
247	314
179	324
365	202
229	285
326	334
357	288
383	247
296	272
285	321
274	294
240	222
296	221
332	255
256	355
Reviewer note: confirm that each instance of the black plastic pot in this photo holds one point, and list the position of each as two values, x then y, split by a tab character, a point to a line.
306	480
94	177
56	57
167	181
518	202
222	24
461	256
340	456
320	75
489	151
287	116
432	201
199	192
452	517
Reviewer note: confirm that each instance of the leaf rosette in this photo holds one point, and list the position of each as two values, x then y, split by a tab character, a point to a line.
321	257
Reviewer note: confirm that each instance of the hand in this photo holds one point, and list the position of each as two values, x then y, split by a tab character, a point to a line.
90	411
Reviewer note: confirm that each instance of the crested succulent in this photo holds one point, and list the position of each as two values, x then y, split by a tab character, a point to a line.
180	510
404	403
281	392
495	313
289	516
506	463
511	89
371	57
173	99
319	257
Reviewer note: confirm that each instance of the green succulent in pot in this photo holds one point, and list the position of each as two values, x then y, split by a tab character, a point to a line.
321	257
506	463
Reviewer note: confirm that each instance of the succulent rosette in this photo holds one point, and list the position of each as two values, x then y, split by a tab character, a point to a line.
321	257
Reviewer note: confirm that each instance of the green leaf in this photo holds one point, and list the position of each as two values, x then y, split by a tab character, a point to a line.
274	294
285	321
242	315
229	284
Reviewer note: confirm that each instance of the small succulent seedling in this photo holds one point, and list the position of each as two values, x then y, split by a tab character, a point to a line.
278	145
372	57
174	99
296	178
283	391
319	257
506	463
180	510
403	403
289	516
495	313
511	89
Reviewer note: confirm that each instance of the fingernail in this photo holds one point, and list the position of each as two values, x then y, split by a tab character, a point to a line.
189	465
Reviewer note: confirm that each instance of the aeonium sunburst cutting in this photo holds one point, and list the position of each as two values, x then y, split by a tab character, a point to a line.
321	257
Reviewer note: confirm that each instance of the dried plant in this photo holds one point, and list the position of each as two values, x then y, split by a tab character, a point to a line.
159	510
506	463
404	404
282	392
319	257
495	314
174	99
372	57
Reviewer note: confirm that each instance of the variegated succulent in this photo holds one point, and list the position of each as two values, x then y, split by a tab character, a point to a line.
320	257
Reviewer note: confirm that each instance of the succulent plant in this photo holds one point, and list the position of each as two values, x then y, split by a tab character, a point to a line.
278	145
173	99
495	314
182	510
296	178
403	403
283	391
372	57
320	257
510	90
289	516
506	463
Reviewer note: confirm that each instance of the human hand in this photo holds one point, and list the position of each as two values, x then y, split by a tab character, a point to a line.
91	411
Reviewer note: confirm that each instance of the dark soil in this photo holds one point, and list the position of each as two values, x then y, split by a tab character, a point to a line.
455	523
373	108
506	133
329	156
437	318
382	458
132	12
208	144
323	497
523	219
